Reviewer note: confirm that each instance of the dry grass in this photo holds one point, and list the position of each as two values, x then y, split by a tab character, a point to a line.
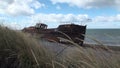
19	50
91	57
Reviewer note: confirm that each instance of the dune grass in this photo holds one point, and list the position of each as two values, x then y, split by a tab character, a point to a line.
92	56
19	50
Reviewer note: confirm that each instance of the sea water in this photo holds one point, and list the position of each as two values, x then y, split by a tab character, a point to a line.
103	36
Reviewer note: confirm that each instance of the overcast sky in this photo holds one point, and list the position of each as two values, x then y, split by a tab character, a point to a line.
93	13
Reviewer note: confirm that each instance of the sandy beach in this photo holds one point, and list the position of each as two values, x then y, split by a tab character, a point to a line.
66	49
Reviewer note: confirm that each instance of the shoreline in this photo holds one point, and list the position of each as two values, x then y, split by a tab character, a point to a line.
59	46
112	47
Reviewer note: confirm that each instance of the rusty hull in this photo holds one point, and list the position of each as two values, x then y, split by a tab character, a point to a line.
75	32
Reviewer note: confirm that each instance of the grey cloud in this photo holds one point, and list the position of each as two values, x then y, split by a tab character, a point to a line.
87	4
101	3
9	1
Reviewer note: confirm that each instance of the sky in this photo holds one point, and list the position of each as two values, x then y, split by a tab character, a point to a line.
96	14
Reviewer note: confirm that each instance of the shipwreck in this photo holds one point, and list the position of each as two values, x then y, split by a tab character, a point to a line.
72	32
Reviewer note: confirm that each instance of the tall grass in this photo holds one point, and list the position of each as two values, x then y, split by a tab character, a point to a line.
99	57
19	50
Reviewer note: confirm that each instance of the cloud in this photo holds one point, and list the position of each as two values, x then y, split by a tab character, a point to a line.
73	18
11	25
84	19
19	7
59	18
87	4
53	20
37	5
115	18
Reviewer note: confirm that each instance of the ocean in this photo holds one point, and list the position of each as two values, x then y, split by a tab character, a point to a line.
103	36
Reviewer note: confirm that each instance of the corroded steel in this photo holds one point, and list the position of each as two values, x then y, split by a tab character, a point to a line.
73	31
